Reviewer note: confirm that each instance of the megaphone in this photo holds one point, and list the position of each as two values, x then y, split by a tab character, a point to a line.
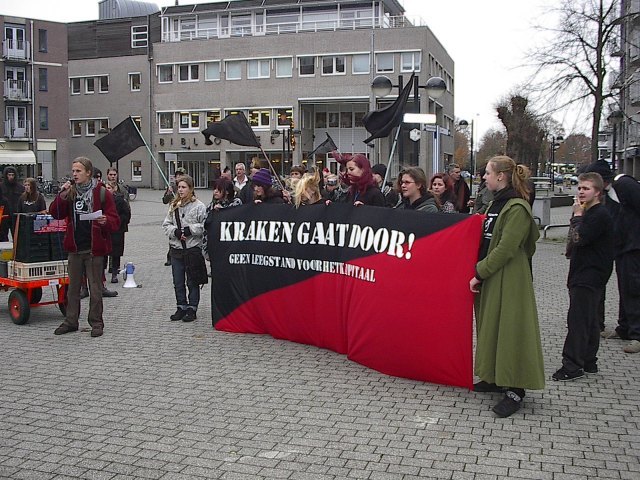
127	274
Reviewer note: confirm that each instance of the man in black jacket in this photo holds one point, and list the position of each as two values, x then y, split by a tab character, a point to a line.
590	249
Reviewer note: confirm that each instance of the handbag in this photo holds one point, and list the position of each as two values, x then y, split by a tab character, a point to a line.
194	263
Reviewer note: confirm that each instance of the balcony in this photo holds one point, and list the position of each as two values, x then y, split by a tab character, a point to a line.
273	27
16	50
17	90
17	129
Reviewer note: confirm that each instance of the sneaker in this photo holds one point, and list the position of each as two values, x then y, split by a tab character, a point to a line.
108	293
114	278
179	315
484	387
509	405
167	263
190	315
84	292
96	332
64	328
607	334
633	347
564	375
591	368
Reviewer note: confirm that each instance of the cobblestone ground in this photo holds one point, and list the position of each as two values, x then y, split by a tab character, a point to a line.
155	399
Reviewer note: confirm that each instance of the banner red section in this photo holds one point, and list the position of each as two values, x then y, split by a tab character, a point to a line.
414	321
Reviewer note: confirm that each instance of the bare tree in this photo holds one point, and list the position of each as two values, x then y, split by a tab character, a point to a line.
461	149
571	69
492	143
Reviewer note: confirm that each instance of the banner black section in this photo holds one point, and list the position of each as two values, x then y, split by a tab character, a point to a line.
258	248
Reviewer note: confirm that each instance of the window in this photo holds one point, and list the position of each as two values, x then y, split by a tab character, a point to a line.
357	119
139	36
75	86
43	79
104	84
165	119
44	118
258	69
259	118
333	65
213	116
285	116
137	121
321	119
284	67
91	128
134	82
165	73
188	73
360	64
189	121
384	62
212	71
410	62
136	170
234	70
76	128
307	66
334	119
104	124
42	40
346	120
89	85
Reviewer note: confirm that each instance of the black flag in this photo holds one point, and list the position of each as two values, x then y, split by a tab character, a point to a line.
379	123
325	147
123	139
235	128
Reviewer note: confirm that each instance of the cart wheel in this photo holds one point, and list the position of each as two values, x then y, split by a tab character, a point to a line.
36	295
19	307
63	306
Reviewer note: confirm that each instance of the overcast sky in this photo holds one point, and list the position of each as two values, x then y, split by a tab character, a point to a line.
487	40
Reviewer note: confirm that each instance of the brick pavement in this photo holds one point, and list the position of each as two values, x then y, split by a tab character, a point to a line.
155	399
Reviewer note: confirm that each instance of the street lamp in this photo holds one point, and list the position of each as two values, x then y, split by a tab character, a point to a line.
435	87
465	124
615	118
555	144
287	134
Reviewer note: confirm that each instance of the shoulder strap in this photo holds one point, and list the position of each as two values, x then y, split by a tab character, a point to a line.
179	225
103	194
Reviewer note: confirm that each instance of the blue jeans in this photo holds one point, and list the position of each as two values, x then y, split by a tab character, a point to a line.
179	280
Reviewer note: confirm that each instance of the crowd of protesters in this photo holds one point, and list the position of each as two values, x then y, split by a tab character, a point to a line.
605	226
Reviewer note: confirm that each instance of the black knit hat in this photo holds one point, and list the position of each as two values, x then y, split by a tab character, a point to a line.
602	167
380	169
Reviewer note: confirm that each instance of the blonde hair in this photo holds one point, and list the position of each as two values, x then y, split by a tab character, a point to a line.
177	202
517	175
307	182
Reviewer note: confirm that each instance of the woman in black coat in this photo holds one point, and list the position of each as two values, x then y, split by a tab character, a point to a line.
117	238
31	200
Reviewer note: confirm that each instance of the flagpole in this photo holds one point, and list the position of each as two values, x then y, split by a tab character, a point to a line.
271	166
151	153
393	150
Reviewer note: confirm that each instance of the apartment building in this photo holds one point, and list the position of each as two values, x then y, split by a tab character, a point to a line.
33	134
628	79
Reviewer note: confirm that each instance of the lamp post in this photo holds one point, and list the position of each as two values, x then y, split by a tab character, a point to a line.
435	87
287	134
555	143
464	123
615	118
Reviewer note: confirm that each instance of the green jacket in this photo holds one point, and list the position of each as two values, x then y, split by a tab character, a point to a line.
508	350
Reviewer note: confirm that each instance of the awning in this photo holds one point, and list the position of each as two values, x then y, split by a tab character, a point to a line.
17	157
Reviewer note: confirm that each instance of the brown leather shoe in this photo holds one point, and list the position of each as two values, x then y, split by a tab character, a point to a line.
65	328
96	332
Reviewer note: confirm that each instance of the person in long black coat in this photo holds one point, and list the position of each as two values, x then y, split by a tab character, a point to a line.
117	237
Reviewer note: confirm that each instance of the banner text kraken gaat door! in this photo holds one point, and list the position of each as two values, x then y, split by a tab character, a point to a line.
388	288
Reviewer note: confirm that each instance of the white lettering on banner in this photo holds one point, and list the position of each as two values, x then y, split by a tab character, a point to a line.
394	242
304	265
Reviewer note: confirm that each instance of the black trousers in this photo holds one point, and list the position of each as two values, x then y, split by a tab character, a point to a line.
628	272
583	334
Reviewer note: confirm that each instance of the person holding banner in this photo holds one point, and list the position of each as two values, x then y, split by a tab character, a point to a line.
263	191
508	349
358	177
184	225
307	190
412	184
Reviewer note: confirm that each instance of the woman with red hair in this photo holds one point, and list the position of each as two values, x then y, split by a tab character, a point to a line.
359	178
441	185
